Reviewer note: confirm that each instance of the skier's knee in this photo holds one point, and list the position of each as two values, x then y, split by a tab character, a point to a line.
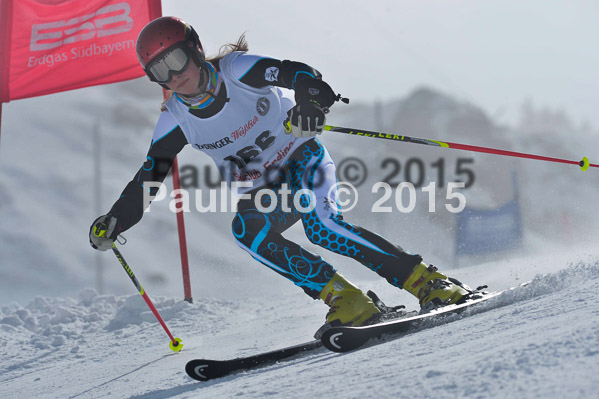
313	236
320	235
246	226
240	231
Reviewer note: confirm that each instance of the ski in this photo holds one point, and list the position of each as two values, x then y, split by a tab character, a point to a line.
336	338
207	369
345	339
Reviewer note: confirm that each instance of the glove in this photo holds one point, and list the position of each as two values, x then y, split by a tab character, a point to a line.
305	120
102	231
315	91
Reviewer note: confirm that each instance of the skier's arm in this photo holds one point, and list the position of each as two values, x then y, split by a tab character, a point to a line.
168	141
257	71
313	96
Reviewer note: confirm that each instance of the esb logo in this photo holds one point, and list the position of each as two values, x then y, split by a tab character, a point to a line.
55	34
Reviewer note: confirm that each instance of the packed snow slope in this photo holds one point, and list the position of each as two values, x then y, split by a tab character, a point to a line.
537	341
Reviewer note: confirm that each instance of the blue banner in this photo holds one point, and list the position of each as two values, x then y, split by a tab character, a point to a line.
484	231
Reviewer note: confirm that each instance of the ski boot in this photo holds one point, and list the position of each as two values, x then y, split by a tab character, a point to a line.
434	289
348	304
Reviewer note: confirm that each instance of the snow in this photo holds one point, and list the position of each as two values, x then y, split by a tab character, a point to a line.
535	341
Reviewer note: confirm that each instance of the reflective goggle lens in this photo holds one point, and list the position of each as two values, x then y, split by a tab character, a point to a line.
172	62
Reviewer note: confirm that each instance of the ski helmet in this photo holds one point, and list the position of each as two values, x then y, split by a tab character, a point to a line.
162	37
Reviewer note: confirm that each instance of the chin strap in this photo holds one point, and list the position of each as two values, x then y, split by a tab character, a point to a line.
212	88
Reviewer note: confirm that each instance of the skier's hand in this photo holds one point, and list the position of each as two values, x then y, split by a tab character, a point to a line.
315	91
305	120
102	232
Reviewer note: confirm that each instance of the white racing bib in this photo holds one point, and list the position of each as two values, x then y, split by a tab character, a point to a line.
245	139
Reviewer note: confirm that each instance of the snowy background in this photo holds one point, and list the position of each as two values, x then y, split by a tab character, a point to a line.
520	77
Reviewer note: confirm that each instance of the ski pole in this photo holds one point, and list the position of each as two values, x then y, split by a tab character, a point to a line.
175	343
584	163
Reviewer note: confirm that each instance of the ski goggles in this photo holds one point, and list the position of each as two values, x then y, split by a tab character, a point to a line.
162	69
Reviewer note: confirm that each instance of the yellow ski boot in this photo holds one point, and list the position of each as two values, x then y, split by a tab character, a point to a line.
434	289
349	305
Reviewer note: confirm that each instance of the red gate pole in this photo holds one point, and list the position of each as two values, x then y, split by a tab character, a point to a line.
182	238
181	228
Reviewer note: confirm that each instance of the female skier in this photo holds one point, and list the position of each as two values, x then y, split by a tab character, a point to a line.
230	107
